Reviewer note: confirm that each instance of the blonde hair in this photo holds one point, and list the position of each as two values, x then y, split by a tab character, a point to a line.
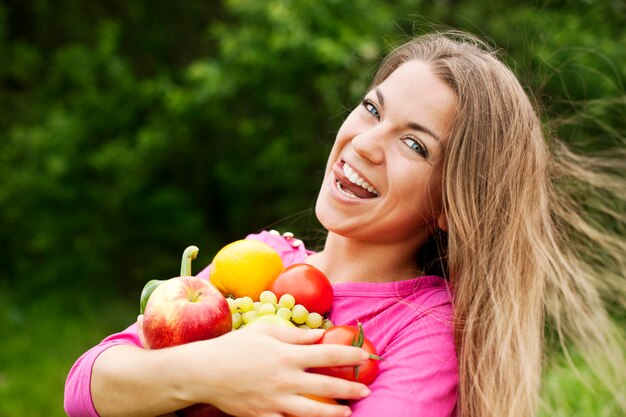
521	250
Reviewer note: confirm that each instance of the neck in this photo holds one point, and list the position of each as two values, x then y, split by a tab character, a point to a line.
345	259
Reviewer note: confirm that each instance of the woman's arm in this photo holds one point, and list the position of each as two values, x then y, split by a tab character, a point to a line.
256	369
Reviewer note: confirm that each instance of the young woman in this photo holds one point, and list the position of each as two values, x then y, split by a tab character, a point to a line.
443	169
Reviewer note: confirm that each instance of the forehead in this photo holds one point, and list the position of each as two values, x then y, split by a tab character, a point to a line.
414	93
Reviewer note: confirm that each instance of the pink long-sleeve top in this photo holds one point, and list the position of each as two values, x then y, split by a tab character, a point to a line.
409	322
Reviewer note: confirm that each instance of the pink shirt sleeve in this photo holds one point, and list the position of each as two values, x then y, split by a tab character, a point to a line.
77	399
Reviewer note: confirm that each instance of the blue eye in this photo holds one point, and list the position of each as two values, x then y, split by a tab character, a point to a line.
415	146
369	106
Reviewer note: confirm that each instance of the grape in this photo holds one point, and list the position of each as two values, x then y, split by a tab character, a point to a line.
299	313
267	308
244	310
237	320
327	324
232	304
268	297
248	316
244	304
314	320
284	313
287	301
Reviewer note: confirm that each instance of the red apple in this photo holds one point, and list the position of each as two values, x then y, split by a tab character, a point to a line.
185	309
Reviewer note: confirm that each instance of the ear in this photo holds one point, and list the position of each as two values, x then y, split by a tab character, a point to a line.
442	221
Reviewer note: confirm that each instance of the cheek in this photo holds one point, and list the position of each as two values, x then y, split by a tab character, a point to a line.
351	126
422	196
342	139
433	190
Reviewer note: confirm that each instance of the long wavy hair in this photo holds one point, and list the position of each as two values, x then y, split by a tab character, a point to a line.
523	251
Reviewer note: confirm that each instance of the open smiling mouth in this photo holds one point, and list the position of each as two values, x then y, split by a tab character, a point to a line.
353	185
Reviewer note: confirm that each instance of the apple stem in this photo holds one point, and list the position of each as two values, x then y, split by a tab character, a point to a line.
188	255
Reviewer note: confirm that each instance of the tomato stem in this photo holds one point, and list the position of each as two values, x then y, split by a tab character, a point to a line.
188	255
357	341
359	338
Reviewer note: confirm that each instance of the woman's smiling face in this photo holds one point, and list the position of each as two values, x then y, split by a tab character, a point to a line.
384	173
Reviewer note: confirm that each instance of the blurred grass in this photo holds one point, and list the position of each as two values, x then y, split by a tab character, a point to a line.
576	393
40	341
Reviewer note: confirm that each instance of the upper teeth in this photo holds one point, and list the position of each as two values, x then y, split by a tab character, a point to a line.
356	179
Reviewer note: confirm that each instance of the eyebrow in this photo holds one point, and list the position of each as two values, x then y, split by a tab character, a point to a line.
410	125
421	128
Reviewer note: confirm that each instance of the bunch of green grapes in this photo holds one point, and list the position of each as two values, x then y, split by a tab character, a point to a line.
244	310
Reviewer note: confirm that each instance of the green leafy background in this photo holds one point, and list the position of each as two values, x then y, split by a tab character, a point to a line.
131	129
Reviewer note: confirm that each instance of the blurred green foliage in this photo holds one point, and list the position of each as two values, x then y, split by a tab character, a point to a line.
131	129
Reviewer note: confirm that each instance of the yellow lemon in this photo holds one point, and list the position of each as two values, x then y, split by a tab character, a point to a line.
245	267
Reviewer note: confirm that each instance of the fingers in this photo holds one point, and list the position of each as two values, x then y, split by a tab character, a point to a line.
311	355
318	356
331	387
301	406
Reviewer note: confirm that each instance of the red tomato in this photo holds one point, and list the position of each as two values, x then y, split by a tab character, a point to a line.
351	336
308	285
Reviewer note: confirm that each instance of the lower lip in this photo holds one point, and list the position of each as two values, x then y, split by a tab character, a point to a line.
334	186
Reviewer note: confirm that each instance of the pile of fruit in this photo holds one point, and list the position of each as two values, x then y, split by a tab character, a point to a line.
248	285
269	309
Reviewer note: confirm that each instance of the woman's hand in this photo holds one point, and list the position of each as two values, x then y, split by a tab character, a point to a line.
261	370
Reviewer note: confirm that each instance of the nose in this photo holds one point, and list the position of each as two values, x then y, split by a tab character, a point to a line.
369	144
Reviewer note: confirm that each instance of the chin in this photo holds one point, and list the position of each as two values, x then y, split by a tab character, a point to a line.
328	216
334	220
336	223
